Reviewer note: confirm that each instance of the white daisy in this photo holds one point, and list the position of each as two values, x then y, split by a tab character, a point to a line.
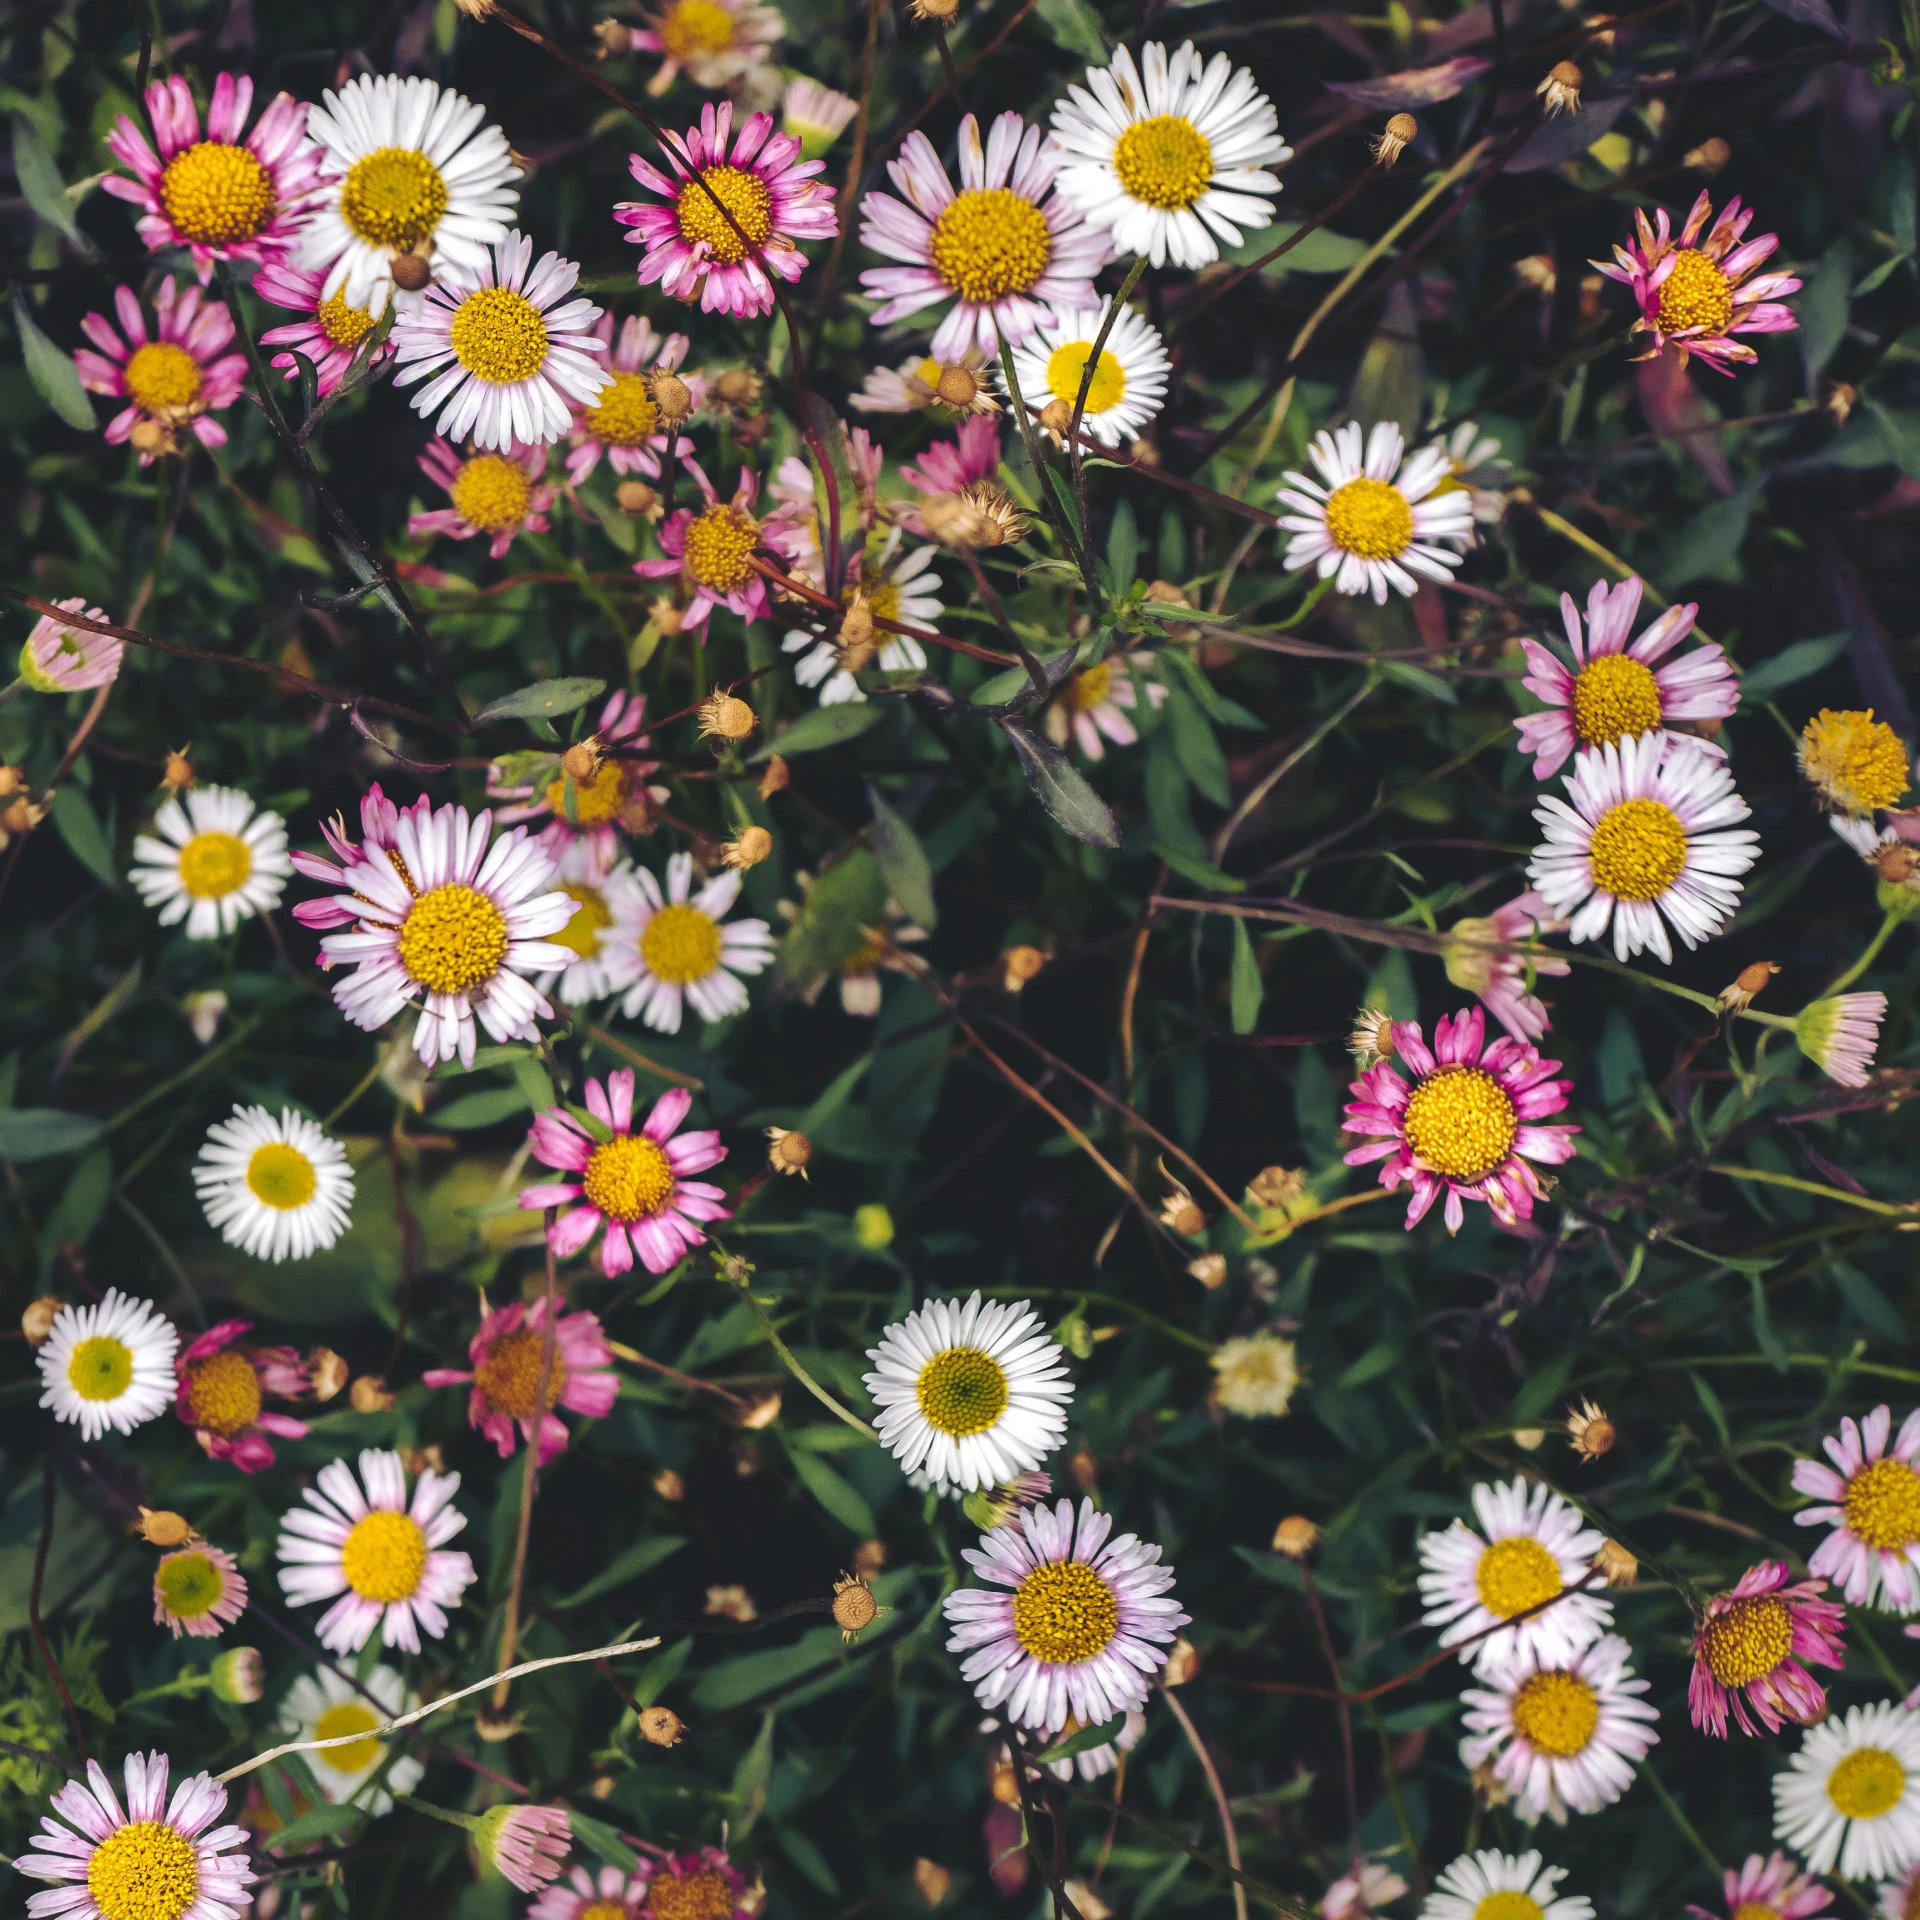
277	1189
1129	385
323	1705
601	889
409	168
1851	1796
973	1394
385	1560
506	355
1503	1886
1534	1547
1376	522
1649	839
899	586
1170	156
668	950
108	1366
217	862
1563	1734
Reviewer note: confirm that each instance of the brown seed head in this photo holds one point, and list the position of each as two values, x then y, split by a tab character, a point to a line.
37	1320
931	1881
788	1152
178	774
737	387
1840	401
411	272
724	716
869	1557
476	9
1055	418
666	616
669	1486
1084	1469
854	1606
671	396
1561	87
326	1372
661	1726
1164	593
369	1394
856	644
615	39
1183	1662
163	1529
1000	1778
1590	1431
1898	864
761	1412
1616	1564
1296	1536
1738	997
418	1460
956	387
1708	157
747	848
731	1603
496	1724
982	516
775	779
581	761
1394	139
1180	1212
1372	1038
1277	1187
1018	966
937	13
1210	1270
20	816
152	437
636	497
12	780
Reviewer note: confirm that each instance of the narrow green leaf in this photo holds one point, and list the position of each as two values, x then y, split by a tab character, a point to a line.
484	1109
904	862
55	378
42	1133
642	1557
40	183
1248	987
1083	1741
1790	665
1123	547
1075	29
840	1497
600	1839
544	700
823	727
86	840
1061	787
750	1782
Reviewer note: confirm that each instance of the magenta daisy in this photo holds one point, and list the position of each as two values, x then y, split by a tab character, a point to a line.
223	197
608	1895
506	1355
177	377
711	551
623	423
1696	294
1871	1499
57	659
328	332
1900	1899
635	1184
1469	1125
693	249
199	1591
1481	958
1003	249
612	797
702	1885
1749	1646
1770	1887
222	1393
497	495
951	466
1613	690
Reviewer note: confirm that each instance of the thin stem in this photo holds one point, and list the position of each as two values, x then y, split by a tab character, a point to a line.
1042	484
1220	1799
1075	459
1766	1178
794	1367
1680	1820
1258	792
1345	1711
346	1106
1867	958
33	1609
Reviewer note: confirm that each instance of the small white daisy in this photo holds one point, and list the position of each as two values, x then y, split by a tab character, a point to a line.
277	1189
899	586
109	1365
1534	1547
323	1705
1170	156
601	889
1376	522
973	1394
1129	385
1649	840
216	861
1850	1798
669	949
1503	1886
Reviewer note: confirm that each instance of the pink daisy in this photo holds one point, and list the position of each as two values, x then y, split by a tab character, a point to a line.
608	1895
775	200
634	1183
57	659
1092	708
1613	691
624	423
221	1390
711	551
222	197
1900	1899
526	1846
1003	249
1748	1649
1479	961
499	495
506	1355
1770	1888
704	1883
603	803
178	378
715	41
951	466
329	331
198	1591
1871	1500
1469	1123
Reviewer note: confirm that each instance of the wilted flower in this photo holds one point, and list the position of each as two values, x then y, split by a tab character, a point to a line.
1561	88
1854	762
1749	1648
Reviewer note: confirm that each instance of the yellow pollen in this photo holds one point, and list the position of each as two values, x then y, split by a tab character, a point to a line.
348	1716
718	545
1509	1904
1556	1713
603	1910
1639	849
509	1377
162	379
223	1393
962	1391
1695	295
492	492
342	324
385	1556
1748	1641
744	195
454	938
1755	1910
696	27
1867	1783
1166	161
1514	1574
281	1176
216	194
1067	365
624	415
1370	518
679	944
1091	688
1460	1123
864	958
1855	762
189	1585
628	1177
145	1870
1882	1505
591	917
393	198
990	242
1063	1612
595	801
213	865
101	1368
693	1896
499	336
1613	699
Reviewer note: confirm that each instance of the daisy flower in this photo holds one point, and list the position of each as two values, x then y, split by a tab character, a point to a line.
669	949
1170	157
323	1705
859	972
409	167
1377	521
525	1846
711	551
775	199
950	468
328	332
177	377
198	1591
159	1859
505	1374
702	1885
956	386
277	1189
441	919
1748	1649
215	862
109	1365
635	1184
57	659
385	1560
611	797
1649	840
1094	1763
1532	1548
1478	960
1129	384
1871	1499
1561	1734
222	197
1070	1622
1003	249
816	116
1854	762
898	586
1093	706
1696	294
1890	848
607	1895
497	495
970	1395
713	41
599	892
622	422
1468	1126
1769	1887
1503	1886
1900	1899
1363	1889
1256	1375
1474	462
1840	1035
1613	691
221	1388
1850	1798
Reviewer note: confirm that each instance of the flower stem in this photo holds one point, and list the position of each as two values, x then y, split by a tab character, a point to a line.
1868	957
794	1367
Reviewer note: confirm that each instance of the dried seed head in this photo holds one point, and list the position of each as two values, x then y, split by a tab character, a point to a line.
666	616
1164	593
982	516
671	396
1738	997
1183	1662
152	437
931	1881
1487	1786
178	773
1055	418
1277	1187
1708	157
369	1394
326	1373
856	644
788	1152
731	1603
1394	139
661	1726
1372	1037
615	39
1296	1536
1018	966
723	716
938	13
761	1412
854	1606
1180	1212
163	1529
418	1460
1616	1564
775	779
1529	1439
1590	1430
581	761
869	1557
37	1321
1561	87
737	387
1210	1270
1840	401
956	387
411	272
747	848
12	780
669	1486
636	497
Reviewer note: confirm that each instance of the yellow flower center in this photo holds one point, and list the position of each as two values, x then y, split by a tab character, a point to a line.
718	545
385	1556
1855	762
1613	699
864	958
989	243
1066	366
1695	294
1064	1612
492	492
1755	1910
145	1870
624	415
591	917
603	1910
213	865
695	27
162	378
628	1178
216	194
509	1377
1556	1713
342	324
1867	1783
1515	1574
1882	1505
1370	518
1639	849
693	1896
744	195
1748	1641
1166	161
454	938
962	1391
1461	1123
393	198
281	1176
348	1716
679	944
189	1585
223	1393
1509	1904
499	336
101	1368
1091	688
595	801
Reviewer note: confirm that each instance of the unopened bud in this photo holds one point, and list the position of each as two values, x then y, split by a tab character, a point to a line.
1616	1565
737	387
1840	401
1001	1782
1529	1439
1210	1270
411	272
1296	1536
150	437
788	1152
856	644
178	773
239	1676
666	616
775	778
369	1394
1708	157
18	817
747	848
326	1372
1183	1662
635	496
661	1726
12	780
1018	965
869	1557
724	716
615	38
581	761
931	1881
163	1529
37	1321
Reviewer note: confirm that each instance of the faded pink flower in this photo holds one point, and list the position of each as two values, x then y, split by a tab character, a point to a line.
1748	1649
220	1393
507	1354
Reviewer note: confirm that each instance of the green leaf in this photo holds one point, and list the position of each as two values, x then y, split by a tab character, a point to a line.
904	862
734	1682
840	1497
823	727
42	1133
1880	1316
1083	1741
484	1109
40	183
640	1558
55	378
750	1781
1198	750
544	700
1544	1386
318	1823
1061	787
1123	548
1202	873
1714	1410
1707	547
81	830
1764	1333
1320	252
1791	664
1075	29
603	1841
1248	987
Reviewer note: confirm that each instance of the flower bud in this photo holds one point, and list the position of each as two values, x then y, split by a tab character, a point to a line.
669	1485
737	387
410	272
36	1322
869	1557
931	1881
581	761
775	779
788	1152
526	1846
873	1227
666	616
239	1676
855	643
762	1412
178	773
1708	157
163	1529
1738	997
1018	966
1296	1536
1055	418
369	1394
1210	1270
1616	1564
636	497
